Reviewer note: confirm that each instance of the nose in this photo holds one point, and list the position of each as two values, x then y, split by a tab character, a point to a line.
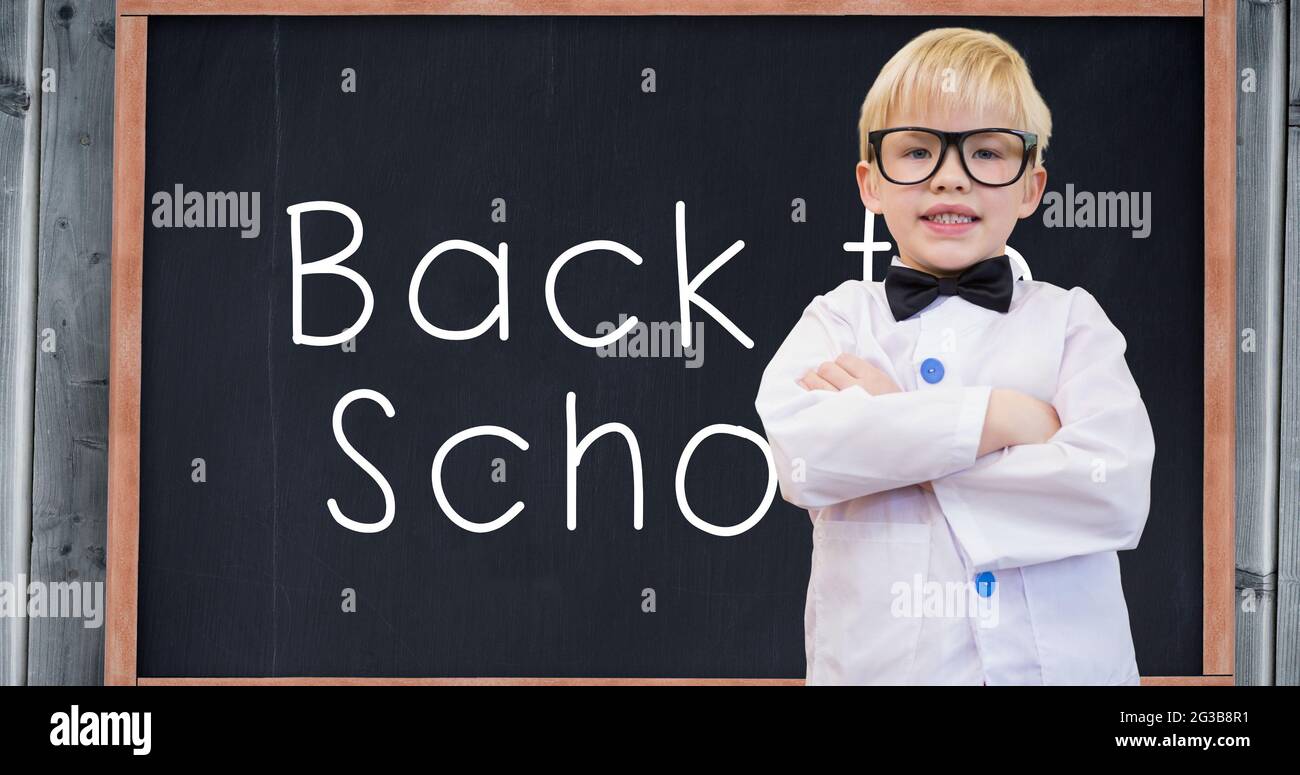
950	175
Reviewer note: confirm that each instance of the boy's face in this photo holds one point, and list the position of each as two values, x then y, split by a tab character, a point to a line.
947	249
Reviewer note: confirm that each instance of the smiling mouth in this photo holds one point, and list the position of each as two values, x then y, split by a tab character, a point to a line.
950	218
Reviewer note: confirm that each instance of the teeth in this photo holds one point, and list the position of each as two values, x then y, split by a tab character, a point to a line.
949	218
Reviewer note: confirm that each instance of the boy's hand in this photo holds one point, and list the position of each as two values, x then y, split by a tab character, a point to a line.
844	372
1014	418
848	370
1019	418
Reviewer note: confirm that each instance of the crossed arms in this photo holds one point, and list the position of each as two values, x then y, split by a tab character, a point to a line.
1072	476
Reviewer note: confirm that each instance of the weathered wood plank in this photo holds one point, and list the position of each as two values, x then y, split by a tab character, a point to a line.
1287	664
70	451
19	149
1261	164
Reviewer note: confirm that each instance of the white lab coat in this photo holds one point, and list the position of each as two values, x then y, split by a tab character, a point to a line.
1046	520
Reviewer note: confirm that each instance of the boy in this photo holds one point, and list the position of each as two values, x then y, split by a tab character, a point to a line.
958	427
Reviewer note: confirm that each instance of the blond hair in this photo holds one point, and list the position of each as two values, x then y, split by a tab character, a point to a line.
955	68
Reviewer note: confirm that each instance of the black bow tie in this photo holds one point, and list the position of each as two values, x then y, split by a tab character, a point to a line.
987	283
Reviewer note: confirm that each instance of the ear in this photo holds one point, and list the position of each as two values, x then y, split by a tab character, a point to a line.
1035	186
868	187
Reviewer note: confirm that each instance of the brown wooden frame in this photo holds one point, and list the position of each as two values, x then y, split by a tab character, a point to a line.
128	249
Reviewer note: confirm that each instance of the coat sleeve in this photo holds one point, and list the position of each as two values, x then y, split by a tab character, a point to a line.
1088	488
833	446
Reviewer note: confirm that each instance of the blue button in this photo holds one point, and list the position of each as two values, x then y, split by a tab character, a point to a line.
985	583
932	370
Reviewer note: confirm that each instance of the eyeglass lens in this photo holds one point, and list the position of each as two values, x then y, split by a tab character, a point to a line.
992	158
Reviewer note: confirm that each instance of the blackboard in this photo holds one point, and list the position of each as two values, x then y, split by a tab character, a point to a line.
457	120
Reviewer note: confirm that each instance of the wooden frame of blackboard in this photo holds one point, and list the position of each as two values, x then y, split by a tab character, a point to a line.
1219	149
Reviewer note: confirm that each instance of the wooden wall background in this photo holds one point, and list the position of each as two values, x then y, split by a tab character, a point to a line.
56	109
1287	543
56	162
1261	163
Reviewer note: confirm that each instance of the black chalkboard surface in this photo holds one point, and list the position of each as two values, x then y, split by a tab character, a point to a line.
458	121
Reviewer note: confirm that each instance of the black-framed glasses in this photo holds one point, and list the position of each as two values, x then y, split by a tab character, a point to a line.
992	156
